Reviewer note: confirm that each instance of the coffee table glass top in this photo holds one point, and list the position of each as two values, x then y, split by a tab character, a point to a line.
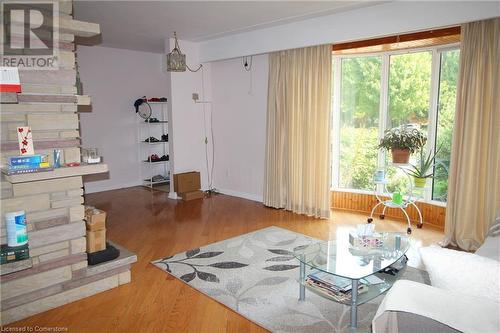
338	257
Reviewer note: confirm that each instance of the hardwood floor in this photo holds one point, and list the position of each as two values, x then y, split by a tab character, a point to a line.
153	226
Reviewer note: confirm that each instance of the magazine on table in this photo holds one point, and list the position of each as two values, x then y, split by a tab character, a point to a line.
331	281
336	294
338	287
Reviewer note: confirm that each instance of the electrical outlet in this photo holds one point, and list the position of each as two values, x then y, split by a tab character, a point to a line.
196	97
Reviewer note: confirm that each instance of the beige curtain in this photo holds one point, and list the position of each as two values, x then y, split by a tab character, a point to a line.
298	131
474	179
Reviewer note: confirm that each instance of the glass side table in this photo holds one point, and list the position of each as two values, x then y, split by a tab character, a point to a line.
339	259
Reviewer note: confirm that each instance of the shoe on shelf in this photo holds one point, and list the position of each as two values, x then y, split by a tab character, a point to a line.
164	138
158	178
152	120
151	139
164	158
163	99
153	158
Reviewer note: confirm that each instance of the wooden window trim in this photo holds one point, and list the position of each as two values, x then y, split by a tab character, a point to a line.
436	35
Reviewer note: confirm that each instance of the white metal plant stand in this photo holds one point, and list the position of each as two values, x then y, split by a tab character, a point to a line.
408	200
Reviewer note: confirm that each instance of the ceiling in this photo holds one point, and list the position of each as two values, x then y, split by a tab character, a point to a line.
143	25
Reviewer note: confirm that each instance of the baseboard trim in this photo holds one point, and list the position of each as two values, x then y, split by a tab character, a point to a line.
110	188
243	195
232	193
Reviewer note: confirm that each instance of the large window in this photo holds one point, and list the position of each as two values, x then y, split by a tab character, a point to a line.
360	91
409	89
384	90
445	115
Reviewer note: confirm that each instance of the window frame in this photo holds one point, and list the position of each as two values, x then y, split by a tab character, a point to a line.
436	52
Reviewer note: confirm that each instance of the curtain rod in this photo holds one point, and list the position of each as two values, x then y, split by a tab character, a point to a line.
398	38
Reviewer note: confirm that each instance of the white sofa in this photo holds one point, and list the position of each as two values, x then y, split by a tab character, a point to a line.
448	306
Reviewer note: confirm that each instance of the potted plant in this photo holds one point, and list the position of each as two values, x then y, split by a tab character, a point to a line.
402	141
424	169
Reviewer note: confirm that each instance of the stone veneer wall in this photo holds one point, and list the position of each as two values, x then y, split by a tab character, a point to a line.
54	207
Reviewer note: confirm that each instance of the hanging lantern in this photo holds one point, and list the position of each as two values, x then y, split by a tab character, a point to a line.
176	61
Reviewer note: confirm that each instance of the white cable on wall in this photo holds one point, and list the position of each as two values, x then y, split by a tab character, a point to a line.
210	166
210	169
247	65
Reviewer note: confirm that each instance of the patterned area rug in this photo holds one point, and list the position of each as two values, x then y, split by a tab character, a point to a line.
255	274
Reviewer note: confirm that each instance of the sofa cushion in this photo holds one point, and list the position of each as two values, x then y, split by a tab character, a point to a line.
461	312
491	245
495	227
490	248
462	272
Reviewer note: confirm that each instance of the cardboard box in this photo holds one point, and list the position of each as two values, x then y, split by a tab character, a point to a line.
192	195
187	182
96	240
95	219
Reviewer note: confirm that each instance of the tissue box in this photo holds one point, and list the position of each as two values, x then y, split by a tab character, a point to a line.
370	242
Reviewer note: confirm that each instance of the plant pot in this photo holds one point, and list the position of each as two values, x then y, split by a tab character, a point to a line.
419	182
401	156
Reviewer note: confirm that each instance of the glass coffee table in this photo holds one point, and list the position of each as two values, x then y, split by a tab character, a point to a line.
338	260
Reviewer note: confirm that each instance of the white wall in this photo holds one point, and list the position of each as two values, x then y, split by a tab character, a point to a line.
374	21
239	115
115	78
187	117
239	121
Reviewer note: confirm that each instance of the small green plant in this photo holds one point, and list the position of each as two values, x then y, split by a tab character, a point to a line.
404	138
424	169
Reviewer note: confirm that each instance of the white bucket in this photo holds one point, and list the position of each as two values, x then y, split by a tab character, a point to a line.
17	234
